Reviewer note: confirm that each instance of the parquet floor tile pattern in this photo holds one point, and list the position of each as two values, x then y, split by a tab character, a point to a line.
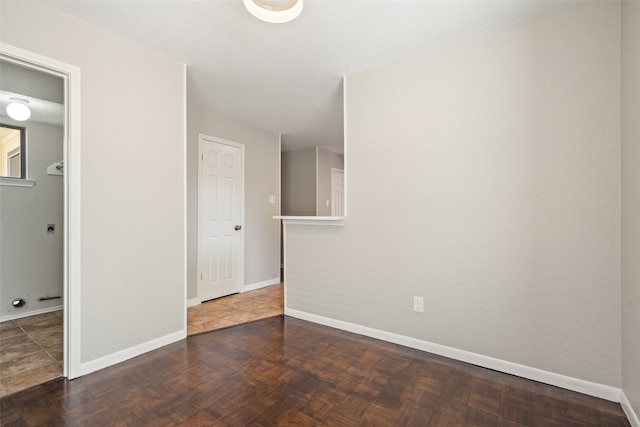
282	371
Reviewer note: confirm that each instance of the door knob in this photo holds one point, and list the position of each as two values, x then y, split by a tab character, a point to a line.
238	227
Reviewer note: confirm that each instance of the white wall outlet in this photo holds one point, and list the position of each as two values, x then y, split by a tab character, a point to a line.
272	200
418	304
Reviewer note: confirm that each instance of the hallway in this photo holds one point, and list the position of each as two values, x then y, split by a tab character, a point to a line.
236	309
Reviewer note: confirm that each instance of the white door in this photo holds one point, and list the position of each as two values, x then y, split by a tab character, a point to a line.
337	192
220	207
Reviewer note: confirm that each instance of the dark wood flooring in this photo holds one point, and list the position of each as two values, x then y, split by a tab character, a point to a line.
286	372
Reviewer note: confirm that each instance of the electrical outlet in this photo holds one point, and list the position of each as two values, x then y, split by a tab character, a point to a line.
418	304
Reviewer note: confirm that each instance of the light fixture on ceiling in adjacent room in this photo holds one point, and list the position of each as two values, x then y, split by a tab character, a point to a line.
18	109
274	11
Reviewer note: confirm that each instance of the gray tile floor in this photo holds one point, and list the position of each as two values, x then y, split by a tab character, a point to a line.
30	351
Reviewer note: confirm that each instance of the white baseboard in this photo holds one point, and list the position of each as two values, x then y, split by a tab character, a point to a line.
252	287
30	313
633	418
129	353
259	285
586	387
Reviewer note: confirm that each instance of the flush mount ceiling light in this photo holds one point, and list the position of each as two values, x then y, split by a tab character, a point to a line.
18	109
274	11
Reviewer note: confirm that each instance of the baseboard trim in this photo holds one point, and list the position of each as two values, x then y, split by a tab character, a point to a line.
252	287
131	352
30	313
193	301
259	285
633	418
575	384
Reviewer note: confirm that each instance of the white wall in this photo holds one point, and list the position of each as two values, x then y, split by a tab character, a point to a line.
631	203
132	178
325	161
30	259
262	179
299	182
501	201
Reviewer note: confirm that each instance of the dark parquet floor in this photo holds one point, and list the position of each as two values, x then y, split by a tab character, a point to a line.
286	372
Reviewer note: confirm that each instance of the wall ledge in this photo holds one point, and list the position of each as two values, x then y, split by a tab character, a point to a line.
311	220
15	182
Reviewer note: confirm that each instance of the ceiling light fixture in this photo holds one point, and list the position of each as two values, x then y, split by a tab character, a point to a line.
274	11
18	109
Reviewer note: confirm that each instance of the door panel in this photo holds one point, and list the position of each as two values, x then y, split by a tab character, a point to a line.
220	201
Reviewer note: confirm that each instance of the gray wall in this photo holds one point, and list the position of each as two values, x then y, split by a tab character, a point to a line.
326	161
502	205
262	179
31	261
31	82
306	180
132	196
631	203
299	182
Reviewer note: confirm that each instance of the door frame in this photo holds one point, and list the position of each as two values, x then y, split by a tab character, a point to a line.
202	140
72	229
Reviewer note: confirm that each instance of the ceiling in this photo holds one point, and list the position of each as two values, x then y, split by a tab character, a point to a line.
287	78
43	92
42	111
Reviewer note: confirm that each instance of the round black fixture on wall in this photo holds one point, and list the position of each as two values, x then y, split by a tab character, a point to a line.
18	302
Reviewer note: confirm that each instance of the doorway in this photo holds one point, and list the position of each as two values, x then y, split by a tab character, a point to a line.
337	192
69	225
220	217
31	226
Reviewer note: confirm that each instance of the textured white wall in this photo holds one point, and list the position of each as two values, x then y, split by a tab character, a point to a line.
262	179
496	197
631	202
132	172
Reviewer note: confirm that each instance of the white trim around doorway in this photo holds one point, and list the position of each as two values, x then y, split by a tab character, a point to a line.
71	155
